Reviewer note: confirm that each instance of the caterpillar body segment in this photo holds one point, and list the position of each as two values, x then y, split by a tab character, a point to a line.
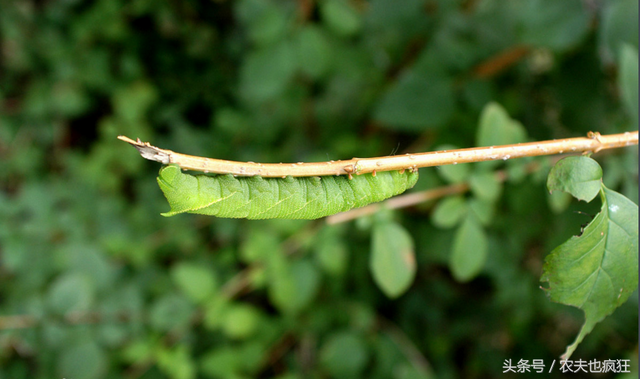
288	198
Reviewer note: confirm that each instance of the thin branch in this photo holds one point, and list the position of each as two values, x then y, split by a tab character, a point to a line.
593	143
26	321
501	61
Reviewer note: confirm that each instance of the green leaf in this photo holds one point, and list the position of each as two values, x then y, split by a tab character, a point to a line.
470	248
344	355
266	72
330	252
71	292
292	286
619	20
416	102
392	260
448	212
222	362
259	245
484	210
455	173
497	128
197	281
517	170
628	79
241	321
598	270
176	362
340	17
580	176
130	103
315	54
86	360
214	312
557	25
268	24
485	185
169	312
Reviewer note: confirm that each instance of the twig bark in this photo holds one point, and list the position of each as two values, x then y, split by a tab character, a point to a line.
593	143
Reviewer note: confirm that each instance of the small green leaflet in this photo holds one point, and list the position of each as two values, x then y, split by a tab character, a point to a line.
392	262
265	198
628	79
598	270
470	250
580	176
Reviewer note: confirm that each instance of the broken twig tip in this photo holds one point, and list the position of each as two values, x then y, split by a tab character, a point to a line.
147	151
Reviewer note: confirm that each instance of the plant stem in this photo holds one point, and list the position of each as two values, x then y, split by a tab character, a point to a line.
593	143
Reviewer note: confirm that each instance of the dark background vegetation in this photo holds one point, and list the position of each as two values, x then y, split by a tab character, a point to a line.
94	283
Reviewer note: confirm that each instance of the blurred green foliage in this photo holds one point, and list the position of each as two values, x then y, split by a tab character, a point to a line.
96	284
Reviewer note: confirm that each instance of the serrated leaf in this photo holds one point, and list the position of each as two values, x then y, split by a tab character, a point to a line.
628	79
580	176
392	260
448	212
470	248
598	270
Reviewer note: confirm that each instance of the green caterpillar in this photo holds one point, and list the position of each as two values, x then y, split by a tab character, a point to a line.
255	197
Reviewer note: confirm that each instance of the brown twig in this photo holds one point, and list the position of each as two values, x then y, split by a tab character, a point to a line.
593	143
501	61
